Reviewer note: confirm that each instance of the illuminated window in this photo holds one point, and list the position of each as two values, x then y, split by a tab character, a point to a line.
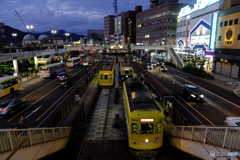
134	128
146	128
230	22
221	24
235	21
158	127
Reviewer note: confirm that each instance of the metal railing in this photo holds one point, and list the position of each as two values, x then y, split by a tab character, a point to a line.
227	136
10	139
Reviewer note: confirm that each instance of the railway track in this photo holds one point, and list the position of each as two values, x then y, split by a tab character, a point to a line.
93	141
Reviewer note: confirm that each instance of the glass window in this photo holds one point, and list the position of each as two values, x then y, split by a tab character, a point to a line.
158	126
230	22
181	23
110	76
184	33
184	23
225	23
177	24
235	21
134	128
146	128
221	24
219	38
180	34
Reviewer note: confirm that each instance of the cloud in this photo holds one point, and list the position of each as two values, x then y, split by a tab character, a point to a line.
71	15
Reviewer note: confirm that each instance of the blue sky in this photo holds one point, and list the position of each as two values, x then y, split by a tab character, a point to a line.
74	16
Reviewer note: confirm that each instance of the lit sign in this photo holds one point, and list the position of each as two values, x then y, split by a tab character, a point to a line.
201	4
105	73
213	31
200	39
127	69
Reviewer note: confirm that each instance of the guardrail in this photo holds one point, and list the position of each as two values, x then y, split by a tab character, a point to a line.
10	139
227	136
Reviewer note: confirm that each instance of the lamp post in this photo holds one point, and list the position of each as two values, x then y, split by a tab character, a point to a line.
66	34
30	29
54	32
14	35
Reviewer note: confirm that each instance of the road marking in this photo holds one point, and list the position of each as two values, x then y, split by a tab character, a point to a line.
59	98
197	111
36	101
183	76
159	76
32	104
34	111
170	75
211	93
220	109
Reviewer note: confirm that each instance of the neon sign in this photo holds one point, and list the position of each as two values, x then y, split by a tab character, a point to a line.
201	4
213	31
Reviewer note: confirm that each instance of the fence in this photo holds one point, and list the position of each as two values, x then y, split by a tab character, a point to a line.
70	101
227	136
12	138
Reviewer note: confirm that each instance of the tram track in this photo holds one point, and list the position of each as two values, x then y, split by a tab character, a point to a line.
92	144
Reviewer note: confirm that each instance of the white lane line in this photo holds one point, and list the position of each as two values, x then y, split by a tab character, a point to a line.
235	91
34	111
183	76
211	92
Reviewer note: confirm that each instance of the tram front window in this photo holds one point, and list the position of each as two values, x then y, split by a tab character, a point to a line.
158	126
126	72
134	128
147	128
104	76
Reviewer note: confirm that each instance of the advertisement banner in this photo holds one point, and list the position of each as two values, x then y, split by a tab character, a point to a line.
116	75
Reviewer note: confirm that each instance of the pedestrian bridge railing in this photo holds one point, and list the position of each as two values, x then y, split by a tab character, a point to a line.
226	137
10	139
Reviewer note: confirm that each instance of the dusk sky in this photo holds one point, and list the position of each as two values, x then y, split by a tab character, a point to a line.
74	16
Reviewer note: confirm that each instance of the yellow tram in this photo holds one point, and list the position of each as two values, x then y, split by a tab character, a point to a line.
144	120
106	75
126	71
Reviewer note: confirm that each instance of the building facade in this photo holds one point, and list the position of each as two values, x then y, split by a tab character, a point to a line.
227	52
157	25
119	27
99	32
130	26
108	28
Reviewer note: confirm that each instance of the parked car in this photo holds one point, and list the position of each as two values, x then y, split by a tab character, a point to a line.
64	79
232	121
162	68
9	106
192	92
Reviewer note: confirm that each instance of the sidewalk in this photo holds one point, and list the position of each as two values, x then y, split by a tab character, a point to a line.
28	78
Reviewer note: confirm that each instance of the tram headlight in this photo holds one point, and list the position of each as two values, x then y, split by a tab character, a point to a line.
146	140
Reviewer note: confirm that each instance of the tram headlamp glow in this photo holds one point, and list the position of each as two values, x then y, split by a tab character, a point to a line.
202	96
146	140
146	120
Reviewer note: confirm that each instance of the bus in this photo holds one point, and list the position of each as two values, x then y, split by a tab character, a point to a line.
52	69
72	62
8	84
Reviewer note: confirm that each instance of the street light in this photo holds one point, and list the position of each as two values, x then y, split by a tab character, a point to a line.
66	34
54	32
14	35
30	29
